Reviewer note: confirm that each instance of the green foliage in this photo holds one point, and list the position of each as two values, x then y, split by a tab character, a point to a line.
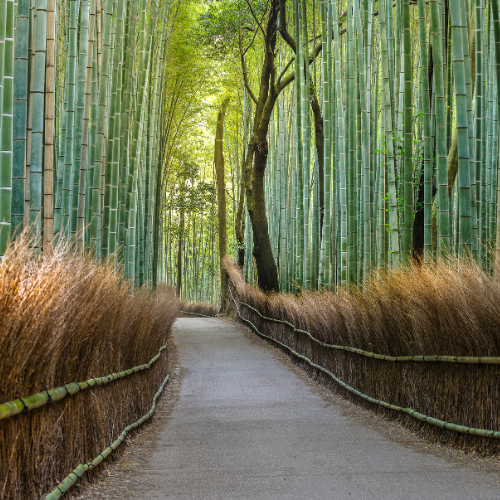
218	25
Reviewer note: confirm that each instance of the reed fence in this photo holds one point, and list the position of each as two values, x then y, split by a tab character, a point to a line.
64	318
77	474
199	309
448	398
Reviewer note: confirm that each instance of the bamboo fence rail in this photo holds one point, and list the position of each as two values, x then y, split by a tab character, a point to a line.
28	403
472	360
78	472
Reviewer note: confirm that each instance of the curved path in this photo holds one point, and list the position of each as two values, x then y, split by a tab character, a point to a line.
248	424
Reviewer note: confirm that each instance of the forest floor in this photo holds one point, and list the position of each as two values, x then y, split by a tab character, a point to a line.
240	420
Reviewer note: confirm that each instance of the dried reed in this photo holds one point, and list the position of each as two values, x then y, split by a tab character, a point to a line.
448	308
65	319
200	308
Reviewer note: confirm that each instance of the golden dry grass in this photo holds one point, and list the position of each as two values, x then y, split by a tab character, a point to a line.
200	308
448	308
65	319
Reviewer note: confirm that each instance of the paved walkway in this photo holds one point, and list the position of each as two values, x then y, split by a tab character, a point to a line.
248	425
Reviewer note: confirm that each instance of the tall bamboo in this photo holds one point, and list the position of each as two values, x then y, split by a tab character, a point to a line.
37	130
437	35
407	245
6	140
20	112
95	193
458	26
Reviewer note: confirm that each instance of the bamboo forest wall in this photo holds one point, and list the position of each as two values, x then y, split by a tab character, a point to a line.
377	122
82	119
408	92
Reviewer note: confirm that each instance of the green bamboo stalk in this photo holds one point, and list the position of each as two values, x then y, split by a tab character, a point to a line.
333	225
428	139
492	120
468	41
128	65
58	211
94	106
303	55
392	48
398	81
407	245
458	26
283	250
69	144
377	234
364	77
95	192
381	230
144	61
325	260
81	95
112	172
341	127
49	132
37	132
388	126
441	142
448	72
370	206
155	186
82	183
299	248
352	163
496	27
29	129
20	113
483	195
6	140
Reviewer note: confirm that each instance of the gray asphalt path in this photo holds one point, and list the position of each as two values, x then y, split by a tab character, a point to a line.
247	425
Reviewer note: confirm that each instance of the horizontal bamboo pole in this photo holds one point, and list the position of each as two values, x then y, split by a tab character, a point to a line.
79	471
28	403
410	411
472	360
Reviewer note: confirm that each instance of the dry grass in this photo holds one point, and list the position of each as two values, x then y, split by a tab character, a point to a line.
446	308
200	308
64	319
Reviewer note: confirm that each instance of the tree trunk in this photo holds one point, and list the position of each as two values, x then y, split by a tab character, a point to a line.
262	251
221	199
269	91
320	148
240	219
179	256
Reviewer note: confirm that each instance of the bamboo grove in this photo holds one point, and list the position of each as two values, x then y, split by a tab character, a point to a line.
383	144
81	96
360	134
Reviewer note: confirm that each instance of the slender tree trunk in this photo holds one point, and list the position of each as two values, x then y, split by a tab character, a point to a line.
221	199
320	148
240	221
178	288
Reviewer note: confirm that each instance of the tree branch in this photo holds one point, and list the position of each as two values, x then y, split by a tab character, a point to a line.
255	17
244	67
282	74
251	43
